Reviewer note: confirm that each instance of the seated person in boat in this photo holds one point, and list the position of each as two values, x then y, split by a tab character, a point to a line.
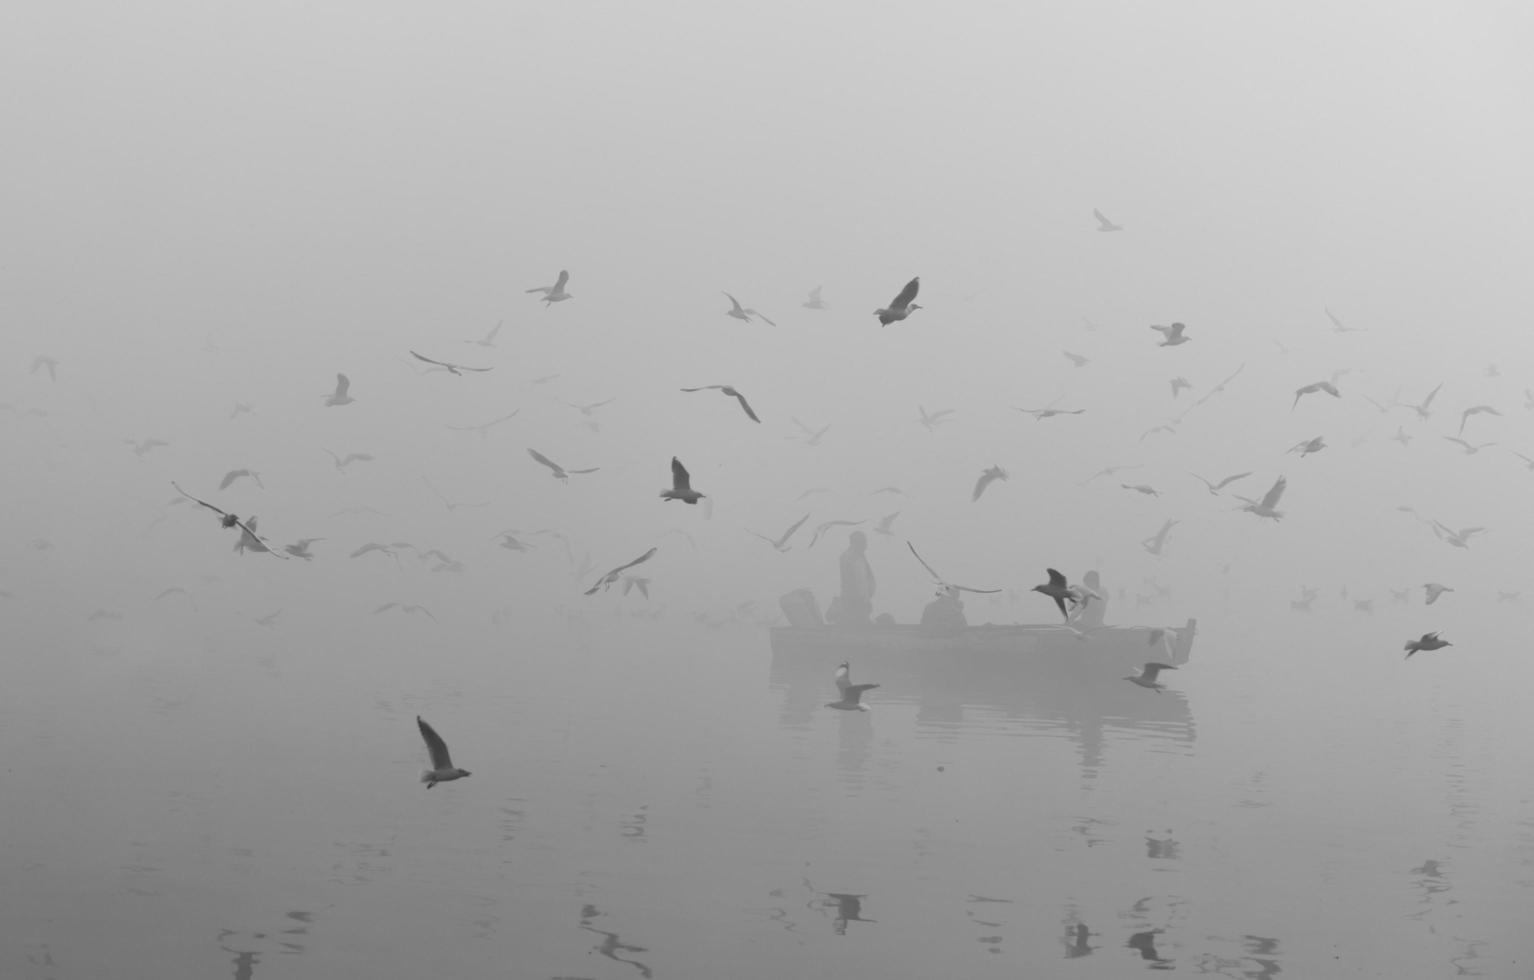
854	607
1094	603
945	613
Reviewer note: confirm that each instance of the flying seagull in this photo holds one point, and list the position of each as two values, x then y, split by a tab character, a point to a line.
488	340
741	313
942	581
1219	389
1308	446
852	694
1428	641
1311	389
933	419
1474	410
229	520
560	473
1267	507
732	393
233	475
681	485
781	544
44	361
142	449
1143	488
1147	676
442	769
814	302
457	369
605	582
1337	325
1059	590
1433	590
1077	360
342	463
1423	408
1470	448
300	548
1103	224
825	526
1179	385
901	306
1215	488
373	546
812	437
555	293
340	396
1040	414
409	608
1174	334
987	477
1156	543
1459	539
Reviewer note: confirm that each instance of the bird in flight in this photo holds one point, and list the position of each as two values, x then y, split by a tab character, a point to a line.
44	361
1077	360
781	544
228	520
942	581
814	302
1156	543
300	548
1179	385
1147	676
341	463
1458	539
373	546
933	419
744	315
442	769
987	477
1470	448
811	436
605	582
560	473
1215	488
681	485
1143	488
1337	325
142	449
1311	389
240	408
488	340
484	429
1432	590
851	694
1474	410
341	396
1174	334
825	526
409	608
1307	446
1268	506
457	369
1059	590
1423	408
732	393
901	306
1220	388
555	293
1428	641
1048	412
1103	224
233	475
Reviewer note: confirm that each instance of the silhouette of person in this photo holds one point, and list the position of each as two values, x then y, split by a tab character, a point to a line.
1089	615
945	613
855	605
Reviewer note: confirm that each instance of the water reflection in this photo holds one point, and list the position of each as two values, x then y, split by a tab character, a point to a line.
245	961
845	908
611	946
1077	943
1145	944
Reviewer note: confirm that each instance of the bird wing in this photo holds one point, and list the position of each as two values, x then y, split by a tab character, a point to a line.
434	745
906	295
343	384
705	388
790	532
1056	579
736	304
217	510
763	318
680	480
1430	396
1270	499
1102	218
535	454
423	357
930	570
230	477
746	405
564	277
1233	479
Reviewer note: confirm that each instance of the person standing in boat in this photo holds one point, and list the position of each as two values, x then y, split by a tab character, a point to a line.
945	613
1094	603
855	605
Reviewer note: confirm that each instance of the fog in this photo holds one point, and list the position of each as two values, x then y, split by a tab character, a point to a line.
212	211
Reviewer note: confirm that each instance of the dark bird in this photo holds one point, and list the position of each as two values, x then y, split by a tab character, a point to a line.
1311	389
1174	334
901	306
987	477
228	520
1147	676
1103	224
732	393
442	769
781	544
233	475
1059	590
814	302
457	369
942	581
605	582
1215	488
1428	641
741	313
681	485
852	694
560	473
300	548
1268	506
341	395
555	293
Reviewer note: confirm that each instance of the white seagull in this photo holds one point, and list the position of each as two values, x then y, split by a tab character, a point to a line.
744	315
901	306
555	293
852	694
1147	676
341	395
1174	334
442	769
1103	224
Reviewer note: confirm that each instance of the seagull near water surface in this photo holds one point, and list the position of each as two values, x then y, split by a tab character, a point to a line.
730	392
851	694
901	306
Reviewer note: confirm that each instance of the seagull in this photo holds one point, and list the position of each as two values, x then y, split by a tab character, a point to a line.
451	505
852	694
1179	385
1103	224
1059	590
1308	446
812	491
781	544
560	473
405	608
1405	438
1156	543
1470	448
300	548
488	340
1215	488
901	306
681	485
1108	471
508	539
341	464
732	393
1147	676
51	363
229	520
1220	388
483	429
555	293
1433	590
827	525
1174	334
1040	414
373	546
457	369
174	590
142	449
233	475
605	582
1475	410
741	313
933	419
632	582
1144	488
1423	408
885	522
987	477
240	408
1428	641
590	407
1459	539
942	581
814	302
340	396
891	489
1528	460
1337	326
269	620
1269	503
812	437
1311	389
442	769
1076	359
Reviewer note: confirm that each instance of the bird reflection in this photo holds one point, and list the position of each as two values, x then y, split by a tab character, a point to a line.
1076	945
848	908
1145	944
1161	848
611	945
245	960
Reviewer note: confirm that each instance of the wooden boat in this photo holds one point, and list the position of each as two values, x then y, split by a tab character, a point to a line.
1115	647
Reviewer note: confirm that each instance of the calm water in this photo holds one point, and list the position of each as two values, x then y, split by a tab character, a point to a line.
207	797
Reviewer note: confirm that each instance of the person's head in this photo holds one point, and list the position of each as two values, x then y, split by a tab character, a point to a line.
1091	580
858	541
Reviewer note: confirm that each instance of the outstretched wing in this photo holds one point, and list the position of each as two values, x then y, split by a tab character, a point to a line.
434	745
1056	579
1270	500
790	532
535	454
343	385
930	571
906	295
564	277
736	304
680	480
217	510
1232	479
746	405
423	357
704	388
